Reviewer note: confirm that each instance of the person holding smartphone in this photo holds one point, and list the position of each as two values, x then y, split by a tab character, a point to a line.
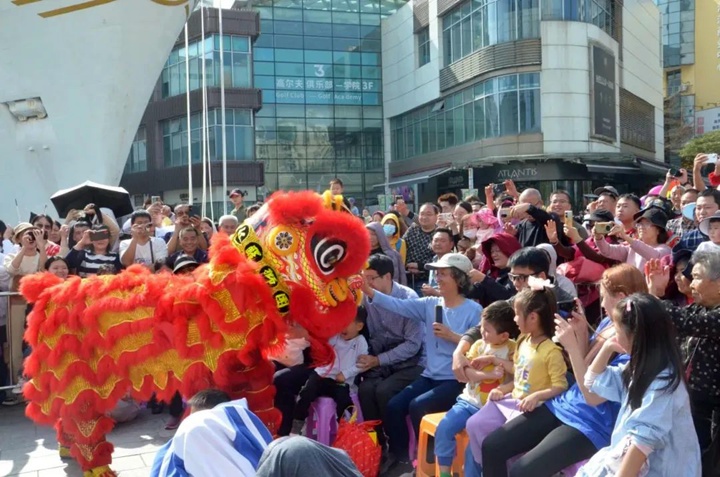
32	255
185	217
142	247
92	252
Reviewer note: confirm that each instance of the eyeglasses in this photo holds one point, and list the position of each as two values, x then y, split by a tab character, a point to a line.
513	277
370	279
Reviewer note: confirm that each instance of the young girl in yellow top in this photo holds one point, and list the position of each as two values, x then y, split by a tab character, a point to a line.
538	366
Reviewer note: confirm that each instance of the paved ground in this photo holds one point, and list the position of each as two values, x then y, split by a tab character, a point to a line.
27	450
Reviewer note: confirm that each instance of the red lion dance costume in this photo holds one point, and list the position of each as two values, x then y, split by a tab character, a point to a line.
296	261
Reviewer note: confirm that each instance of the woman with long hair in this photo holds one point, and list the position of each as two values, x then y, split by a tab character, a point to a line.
565	430
654	434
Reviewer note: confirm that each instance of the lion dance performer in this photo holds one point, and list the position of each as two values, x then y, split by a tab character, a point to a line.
296	261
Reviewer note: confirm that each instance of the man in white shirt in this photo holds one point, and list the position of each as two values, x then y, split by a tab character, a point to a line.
142	248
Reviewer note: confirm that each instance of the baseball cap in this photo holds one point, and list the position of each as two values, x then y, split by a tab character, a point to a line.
704	226
655	215
601	215
184	261
606	190
235	192
450	260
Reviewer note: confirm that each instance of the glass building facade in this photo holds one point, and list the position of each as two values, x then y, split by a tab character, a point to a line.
678	31
238	137
318	64
501	106
236	53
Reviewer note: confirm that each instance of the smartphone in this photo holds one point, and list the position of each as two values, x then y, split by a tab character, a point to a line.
192	213
603	228
675	172
438	314
565	308
498	189
569	220
712	158
446	216
155	199
98	235
505	212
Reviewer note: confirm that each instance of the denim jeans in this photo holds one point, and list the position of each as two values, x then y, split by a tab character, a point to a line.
453	422
423	396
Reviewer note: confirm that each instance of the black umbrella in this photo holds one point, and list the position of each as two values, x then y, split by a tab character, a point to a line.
116	199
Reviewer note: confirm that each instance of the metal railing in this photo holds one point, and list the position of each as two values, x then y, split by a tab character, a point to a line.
12	352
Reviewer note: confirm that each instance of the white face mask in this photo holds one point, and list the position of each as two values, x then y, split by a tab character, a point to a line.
470	233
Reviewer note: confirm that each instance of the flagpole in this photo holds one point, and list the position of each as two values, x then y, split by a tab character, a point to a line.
222	110
187	106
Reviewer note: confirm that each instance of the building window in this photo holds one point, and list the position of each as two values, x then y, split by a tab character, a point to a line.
236	67
674	82
423	46
137	159
239	137
678	32
479	24
598	12
501	106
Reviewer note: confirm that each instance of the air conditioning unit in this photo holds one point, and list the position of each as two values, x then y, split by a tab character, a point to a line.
684	87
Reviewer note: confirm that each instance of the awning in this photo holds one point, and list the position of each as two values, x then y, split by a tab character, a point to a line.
612	168
417	178
653	167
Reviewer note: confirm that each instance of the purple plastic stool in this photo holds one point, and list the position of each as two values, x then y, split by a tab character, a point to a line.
321	423
412	440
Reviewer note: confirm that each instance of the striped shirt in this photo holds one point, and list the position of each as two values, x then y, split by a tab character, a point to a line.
227	440
86	263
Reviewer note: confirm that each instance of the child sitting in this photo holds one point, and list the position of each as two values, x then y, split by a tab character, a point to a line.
711	228
335	381
498	333
538	366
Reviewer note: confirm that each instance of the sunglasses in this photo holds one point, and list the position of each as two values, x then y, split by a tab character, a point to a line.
515	277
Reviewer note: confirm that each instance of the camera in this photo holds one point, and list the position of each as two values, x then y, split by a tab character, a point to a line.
675	172
603	228
498	189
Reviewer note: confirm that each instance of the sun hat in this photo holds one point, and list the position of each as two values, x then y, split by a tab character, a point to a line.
184	261
704	225
655	215
21	228
451	260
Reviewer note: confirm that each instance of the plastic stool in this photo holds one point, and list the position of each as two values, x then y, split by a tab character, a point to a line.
427	428
321	423
412	440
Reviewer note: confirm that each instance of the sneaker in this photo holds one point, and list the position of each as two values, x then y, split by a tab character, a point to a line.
13	400
19	386
173	423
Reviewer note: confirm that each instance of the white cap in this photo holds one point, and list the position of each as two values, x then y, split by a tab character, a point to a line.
449	260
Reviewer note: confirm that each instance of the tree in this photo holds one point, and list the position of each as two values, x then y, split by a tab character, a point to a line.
707	143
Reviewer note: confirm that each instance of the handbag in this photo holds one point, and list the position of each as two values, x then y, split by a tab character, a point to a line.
359	441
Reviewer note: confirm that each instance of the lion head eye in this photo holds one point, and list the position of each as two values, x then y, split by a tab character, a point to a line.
327	253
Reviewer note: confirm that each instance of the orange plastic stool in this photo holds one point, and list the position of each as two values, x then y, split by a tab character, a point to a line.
427	428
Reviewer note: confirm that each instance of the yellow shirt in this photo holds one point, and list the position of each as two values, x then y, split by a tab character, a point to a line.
538	367
477	393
